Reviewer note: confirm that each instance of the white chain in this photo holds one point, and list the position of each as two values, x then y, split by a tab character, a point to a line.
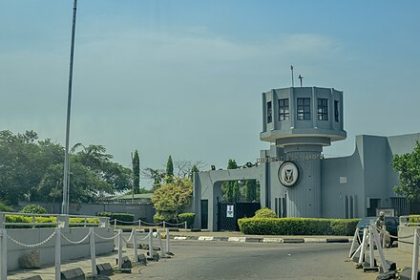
107	238
144	238
31	245
75	242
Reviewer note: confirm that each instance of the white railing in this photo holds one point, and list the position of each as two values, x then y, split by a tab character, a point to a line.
62	221
92	235
405	220
140	223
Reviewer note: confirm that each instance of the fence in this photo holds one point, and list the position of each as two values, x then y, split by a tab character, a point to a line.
141	223
57	236
405	221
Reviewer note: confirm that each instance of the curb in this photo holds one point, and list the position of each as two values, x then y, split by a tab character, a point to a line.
243	239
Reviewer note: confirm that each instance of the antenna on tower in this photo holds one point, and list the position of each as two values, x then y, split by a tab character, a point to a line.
300	79
293	82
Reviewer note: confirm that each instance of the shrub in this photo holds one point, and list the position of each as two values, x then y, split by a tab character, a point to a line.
265	213
343	226
414	219
5	208
122	218
297	226
34	208
163	217
187	217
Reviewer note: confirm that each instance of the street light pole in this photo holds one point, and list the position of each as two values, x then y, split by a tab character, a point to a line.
66	181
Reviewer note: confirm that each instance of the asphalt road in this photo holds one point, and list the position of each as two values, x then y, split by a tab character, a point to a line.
198	260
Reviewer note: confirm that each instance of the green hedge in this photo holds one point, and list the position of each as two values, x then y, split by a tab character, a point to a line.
297	226
34	208
44	220
5	208
187	217
120	217
414	219
265	213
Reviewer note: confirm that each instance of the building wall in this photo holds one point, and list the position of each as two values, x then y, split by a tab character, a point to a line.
144	212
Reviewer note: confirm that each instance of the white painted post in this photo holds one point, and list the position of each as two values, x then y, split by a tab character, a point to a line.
377	239
415	263
92	250
162	250
167	241
3	252
362	252
163	224
58	253
139	223
150	244
354	242
84	224
2	220
185	225
136	256
33	221
120	242
115	224
371	256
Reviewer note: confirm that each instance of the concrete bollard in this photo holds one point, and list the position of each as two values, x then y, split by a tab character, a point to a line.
73	274
120	244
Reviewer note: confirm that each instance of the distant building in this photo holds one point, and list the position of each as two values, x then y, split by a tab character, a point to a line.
295	179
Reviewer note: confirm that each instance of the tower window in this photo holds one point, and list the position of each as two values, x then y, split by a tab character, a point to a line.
322	109
303	108
336	112
283	109
269	112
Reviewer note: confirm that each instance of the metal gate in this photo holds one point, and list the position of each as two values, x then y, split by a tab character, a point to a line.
229	213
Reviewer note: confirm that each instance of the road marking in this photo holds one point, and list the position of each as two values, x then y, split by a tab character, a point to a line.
237	239
206	238
272	240
180	238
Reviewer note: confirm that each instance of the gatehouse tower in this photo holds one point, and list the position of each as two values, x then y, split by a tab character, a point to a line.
299	122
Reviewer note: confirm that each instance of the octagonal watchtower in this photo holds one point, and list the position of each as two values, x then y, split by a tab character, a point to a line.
300	121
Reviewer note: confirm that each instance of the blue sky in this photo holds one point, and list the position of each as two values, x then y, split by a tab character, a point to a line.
185	77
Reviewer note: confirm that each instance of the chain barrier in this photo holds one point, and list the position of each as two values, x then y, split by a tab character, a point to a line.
144	238
178	224
31	245
106	238
75	242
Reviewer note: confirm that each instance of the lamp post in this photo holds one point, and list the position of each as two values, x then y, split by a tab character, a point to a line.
66	181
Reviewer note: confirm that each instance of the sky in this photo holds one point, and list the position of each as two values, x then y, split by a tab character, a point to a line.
184	78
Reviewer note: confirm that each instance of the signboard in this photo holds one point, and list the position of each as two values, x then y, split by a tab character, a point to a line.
229	211
389	212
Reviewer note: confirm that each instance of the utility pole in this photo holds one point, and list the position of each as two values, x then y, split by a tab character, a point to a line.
293	79
66	181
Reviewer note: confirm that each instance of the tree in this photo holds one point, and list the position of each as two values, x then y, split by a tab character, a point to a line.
136	172
194	169
408	168
157	175
169	170
251	190
231	189
32	170
171	199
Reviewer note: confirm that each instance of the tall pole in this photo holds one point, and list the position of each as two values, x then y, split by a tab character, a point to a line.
66	183
293	79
